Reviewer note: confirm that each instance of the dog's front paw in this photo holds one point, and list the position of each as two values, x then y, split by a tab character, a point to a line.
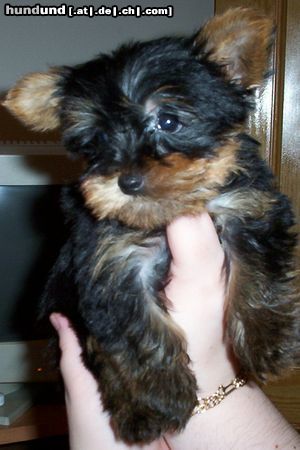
163	404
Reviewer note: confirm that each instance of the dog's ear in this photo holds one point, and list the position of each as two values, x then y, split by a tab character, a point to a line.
35	100
239	41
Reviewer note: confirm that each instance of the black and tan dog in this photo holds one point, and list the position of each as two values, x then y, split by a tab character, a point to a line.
160	126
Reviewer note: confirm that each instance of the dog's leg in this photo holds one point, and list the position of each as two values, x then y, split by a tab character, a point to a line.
60	295
262	308
60	289
134	349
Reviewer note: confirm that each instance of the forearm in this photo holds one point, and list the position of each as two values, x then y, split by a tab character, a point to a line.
88	433
246	419
89	427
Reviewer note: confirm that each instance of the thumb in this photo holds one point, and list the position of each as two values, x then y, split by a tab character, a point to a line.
68	341
193	242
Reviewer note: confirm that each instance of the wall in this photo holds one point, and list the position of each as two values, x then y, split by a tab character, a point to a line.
33	43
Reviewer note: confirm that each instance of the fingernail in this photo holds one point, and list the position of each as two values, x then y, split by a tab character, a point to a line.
58	321
54	321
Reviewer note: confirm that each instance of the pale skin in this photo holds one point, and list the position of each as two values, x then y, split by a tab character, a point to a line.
244	420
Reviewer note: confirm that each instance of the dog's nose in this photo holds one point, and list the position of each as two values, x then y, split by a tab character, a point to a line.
131	184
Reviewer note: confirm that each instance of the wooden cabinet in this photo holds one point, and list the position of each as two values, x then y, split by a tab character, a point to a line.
38	422
276	124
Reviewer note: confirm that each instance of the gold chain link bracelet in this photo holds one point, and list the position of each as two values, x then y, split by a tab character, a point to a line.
205	403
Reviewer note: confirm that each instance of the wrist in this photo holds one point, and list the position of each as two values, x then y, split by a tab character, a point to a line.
211	401
209	379
245	419
213	366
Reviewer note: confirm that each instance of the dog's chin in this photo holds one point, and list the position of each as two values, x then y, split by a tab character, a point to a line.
180	186
106	201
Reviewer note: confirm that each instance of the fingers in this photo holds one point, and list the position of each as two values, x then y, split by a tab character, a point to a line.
194	246
79	383
196	293
70	362
68	341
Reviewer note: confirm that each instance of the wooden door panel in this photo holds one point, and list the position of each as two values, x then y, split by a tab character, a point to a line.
285	394
276	124
290	155
264	5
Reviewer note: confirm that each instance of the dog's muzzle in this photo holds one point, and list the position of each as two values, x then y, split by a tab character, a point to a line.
131	184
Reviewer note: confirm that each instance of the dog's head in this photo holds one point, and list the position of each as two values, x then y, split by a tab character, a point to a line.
155	121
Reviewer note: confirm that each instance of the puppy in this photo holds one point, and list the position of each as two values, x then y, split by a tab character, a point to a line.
160	126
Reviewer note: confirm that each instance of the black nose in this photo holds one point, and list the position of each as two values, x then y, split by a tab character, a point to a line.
131	184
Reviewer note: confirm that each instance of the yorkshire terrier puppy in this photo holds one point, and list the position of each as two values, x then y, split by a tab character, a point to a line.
160	127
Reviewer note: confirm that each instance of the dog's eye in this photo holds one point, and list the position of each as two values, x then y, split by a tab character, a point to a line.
102	137
168	122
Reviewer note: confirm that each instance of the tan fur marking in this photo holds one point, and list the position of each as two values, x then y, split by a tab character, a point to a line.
102	194
32	100
239	40
135	247
176	187
180	175
241	203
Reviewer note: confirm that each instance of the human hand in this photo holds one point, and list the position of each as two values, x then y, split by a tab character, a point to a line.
197	293
246	419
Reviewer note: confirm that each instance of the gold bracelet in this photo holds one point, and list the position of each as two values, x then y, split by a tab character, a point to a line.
205	403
